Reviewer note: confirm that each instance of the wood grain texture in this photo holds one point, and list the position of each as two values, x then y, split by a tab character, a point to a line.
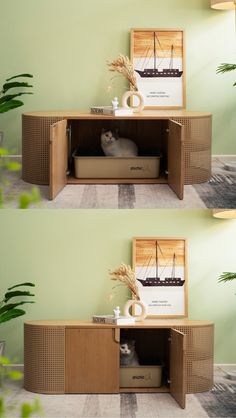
58	158
147	323
92	361
178	367
145	114
176	159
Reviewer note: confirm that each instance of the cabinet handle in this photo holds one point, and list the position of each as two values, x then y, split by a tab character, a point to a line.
117	335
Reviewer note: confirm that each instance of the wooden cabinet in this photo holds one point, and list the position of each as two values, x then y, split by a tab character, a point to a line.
82	357
91	361
182	138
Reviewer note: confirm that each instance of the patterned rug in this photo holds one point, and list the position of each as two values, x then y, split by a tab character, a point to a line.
219	191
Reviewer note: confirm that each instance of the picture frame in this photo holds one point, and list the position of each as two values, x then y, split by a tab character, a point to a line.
160	266
158	57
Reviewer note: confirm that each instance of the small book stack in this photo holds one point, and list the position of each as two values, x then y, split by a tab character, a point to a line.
110	319
109	110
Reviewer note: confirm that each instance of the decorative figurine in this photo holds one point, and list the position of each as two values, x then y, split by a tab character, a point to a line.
115	103
116	312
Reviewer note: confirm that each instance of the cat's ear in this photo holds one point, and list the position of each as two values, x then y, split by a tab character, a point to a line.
133	342
103	130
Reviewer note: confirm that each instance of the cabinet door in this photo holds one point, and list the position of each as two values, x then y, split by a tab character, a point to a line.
58	158
176	158
92	361
178	376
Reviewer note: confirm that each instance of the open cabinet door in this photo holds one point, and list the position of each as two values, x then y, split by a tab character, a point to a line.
178	367
176	158
58	158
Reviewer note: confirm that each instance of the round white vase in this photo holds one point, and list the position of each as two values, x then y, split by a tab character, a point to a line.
130	305
127	95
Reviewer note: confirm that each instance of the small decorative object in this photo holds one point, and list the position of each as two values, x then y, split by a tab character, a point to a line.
131	95
116	312
133	305
109	110
158	57
114	146
160	269
126	276
128	355
124	66
110	319
115	103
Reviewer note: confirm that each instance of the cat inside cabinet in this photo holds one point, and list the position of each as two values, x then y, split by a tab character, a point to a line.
136	148
145	359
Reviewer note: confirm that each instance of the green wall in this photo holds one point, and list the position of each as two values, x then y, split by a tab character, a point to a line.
65	44
68	254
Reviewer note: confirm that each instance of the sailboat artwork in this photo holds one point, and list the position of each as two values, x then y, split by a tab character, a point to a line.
155	72
160	269
158	59
167	281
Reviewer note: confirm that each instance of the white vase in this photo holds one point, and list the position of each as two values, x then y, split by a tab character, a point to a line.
127	95
130	304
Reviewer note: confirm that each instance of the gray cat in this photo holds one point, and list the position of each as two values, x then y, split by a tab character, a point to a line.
128	355
114	146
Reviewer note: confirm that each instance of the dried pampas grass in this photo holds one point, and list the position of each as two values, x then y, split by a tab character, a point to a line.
126	276
124	66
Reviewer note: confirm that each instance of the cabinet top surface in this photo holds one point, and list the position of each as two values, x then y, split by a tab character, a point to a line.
146	114
148	323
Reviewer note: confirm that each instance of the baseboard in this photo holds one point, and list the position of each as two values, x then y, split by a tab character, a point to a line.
224	155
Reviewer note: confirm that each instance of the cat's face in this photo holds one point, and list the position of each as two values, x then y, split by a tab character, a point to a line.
126	348
107	137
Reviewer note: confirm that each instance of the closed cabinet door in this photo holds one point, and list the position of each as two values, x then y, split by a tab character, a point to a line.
92	361
58	158
176	158
178	383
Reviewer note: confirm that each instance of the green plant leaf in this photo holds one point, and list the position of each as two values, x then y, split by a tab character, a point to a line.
16	293
12	104
15	374
4	360
19	75
14	313
21	284
227	277
3	151
9	97
224	68
10	306
15	84
13	166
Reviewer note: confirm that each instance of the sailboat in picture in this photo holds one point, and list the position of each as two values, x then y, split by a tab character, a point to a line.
155	72
157	281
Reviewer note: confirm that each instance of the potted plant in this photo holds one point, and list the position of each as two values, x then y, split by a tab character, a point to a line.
8	99
225	68
11	310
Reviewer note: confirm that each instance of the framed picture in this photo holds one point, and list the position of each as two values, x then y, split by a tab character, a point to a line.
158	56
160	266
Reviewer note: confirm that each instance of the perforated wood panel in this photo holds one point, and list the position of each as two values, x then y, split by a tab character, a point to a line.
197	140
200	357
35	148
44	359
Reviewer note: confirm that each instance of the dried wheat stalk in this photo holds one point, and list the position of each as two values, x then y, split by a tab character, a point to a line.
126	276
124	66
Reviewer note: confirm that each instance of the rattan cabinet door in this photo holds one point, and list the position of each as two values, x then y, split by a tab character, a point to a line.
178	367
58	158
176	158
92	361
